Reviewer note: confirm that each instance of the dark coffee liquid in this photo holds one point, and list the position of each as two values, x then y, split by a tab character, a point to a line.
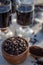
5	16
24	15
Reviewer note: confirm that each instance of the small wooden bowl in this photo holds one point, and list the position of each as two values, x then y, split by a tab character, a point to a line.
12	59
35	56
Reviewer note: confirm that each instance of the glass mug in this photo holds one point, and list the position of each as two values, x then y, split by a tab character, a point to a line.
5	17
25	17
25	12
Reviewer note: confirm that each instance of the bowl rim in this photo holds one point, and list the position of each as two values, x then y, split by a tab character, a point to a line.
18	54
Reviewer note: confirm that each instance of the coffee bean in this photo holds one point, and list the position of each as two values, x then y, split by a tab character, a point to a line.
6	49
12	39
10	47
13	49
24	45
20	48
5	44
13	45
21	45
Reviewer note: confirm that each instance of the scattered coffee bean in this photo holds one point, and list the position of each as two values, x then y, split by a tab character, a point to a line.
33	40
37	62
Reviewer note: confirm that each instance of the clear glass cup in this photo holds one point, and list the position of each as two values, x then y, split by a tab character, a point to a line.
25	13
39	12
5	18
25	16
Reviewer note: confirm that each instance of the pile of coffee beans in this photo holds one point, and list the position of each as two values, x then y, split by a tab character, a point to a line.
37	61
15	45
37	51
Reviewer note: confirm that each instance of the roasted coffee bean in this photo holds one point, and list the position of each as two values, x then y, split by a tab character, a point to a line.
17	41
6	49
21	45
13	45
12	39
13	49
20	48
33	40
10	47
36	40
24	45
5	44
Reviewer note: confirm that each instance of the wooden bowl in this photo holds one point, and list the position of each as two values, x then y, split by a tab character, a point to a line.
35	56
12	59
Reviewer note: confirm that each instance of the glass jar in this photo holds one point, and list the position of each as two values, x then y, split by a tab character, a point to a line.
25	12
5	19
